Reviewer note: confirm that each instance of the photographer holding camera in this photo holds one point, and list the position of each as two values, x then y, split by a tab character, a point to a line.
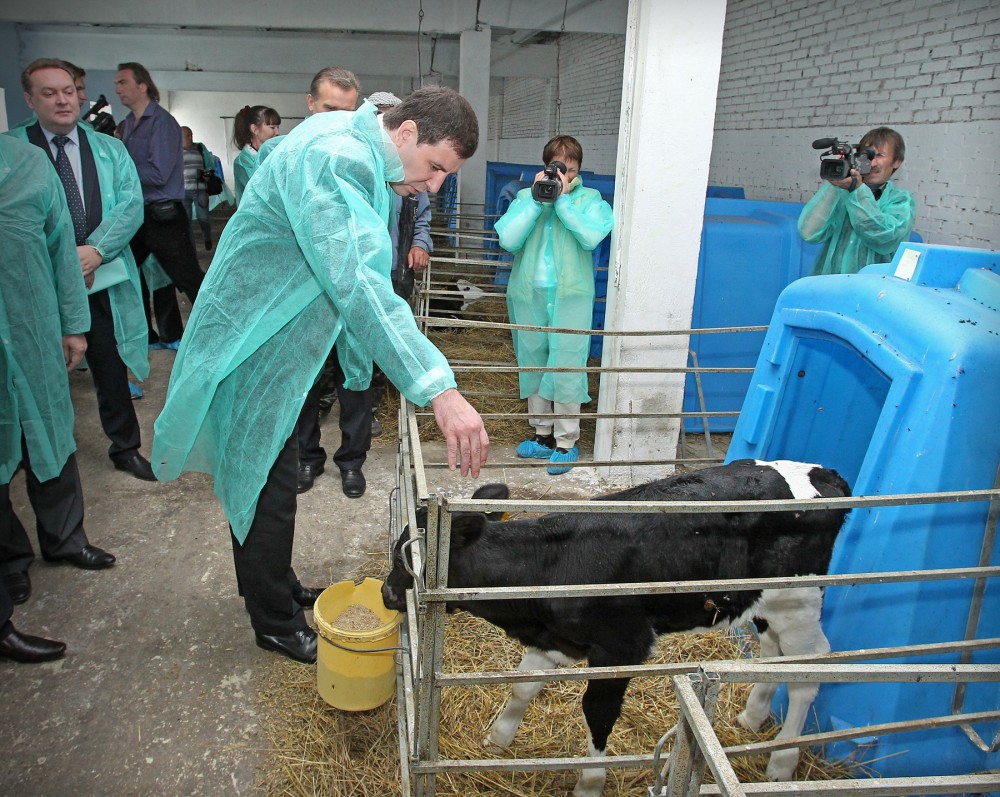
552	228
858	214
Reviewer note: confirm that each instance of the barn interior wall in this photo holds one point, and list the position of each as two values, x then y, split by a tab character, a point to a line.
797	70
584	102
792	71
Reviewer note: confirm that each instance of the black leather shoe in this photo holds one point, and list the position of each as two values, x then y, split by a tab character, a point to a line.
300	646
29	649
305	596
18	586
307	475
137	465
354	483
90	558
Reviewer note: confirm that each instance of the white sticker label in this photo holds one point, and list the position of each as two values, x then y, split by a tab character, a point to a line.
907	264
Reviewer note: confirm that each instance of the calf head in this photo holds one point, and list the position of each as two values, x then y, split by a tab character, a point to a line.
470	293
465	528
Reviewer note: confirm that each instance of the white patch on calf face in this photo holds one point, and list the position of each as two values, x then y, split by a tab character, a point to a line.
796	476
470	293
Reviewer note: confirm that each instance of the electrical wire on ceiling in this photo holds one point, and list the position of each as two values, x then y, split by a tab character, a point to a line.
420	24
562	30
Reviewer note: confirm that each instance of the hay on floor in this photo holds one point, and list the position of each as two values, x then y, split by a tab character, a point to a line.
488	391
317	750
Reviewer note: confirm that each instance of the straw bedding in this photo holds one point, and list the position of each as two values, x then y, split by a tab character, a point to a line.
488	392
317	750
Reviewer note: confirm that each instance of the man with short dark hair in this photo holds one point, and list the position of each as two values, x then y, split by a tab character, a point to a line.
314	226
102	183
153	139
334	89
861	219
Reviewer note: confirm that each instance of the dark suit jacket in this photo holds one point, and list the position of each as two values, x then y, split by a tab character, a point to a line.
91	185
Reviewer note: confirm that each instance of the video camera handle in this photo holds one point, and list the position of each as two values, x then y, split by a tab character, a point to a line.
102	102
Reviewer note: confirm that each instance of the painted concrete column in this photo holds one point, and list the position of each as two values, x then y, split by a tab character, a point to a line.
474	85
671	78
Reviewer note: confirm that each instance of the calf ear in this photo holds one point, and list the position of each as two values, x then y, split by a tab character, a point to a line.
492	492
466	527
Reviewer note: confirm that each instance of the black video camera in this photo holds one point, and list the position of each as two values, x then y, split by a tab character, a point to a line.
550	186
838	160
102	122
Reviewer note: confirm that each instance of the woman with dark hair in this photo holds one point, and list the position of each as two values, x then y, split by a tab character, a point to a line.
253	126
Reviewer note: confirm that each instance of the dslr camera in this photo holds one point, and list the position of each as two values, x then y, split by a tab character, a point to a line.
100	120
550	186
838	160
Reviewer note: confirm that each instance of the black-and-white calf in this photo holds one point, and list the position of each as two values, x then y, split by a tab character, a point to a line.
603	548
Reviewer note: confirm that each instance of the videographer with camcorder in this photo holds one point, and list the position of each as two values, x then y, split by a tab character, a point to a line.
858	214
552	228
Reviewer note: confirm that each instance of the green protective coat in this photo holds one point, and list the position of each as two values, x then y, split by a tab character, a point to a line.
121	216
856	230
305	258
42	298
552	284
208	161
243	168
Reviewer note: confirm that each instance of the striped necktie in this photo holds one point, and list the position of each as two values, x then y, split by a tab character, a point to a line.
73	197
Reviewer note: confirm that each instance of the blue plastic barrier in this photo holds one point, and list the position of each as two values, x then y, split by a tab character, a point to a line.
893	382
725	192
750	251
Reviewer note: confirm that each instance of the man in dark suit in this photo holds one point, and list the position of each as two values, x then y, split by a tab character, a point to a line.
102	187
20	647
44	318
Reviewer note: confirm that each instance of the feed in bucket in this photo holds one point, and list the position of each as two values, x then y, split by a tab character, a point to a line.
358	637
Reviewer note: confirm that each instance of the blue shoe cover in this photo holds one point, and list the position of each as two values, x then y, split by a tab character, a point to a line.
532	449
573	455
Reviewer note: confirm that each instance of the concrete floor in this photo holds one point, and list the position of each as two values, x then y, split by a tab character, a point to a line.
156	695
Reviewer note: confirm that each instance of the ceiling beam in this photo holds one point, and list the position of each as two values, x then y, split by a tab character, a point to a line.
384	16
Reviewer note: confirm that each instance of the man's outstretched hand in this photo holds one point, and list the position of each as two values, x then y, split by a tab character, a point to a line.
463	431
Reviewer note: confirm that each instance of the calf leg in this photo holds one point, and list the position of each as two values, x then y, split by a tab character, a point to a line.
505	726
793	616
602	705
758	707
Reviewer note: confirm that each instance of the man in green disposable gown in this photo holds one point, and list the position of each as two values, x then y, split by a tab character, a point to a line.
43	321
105	180
861	219
304	262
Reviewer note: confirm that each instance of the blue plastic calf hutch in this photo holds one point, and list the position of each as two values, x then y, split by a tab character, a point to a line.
750	250
891	377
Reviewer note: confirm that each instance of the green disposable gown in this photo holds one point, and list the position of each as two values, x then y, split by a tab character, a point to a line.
42	298
243	168
856	230
121	216
208	161
552	284
305	257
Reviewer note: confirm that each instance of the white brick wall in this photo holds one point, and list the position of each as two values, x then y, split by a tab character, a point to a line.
796	70
588	92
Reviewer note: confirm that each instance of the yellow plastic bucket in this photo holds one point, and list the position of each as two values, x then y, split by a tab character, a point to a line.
355	669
